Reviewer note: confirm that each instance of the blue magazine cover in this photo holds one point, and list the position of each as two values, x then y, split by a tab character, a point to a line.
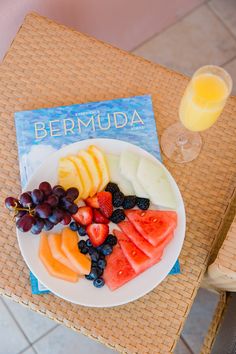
41	132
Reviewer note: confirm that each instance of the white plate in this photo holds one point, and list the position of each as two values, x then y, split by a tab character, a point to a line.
83	292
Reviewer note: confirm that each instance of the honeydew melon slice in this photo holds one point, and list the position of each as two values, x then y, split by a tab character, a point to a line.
115	175
154	180
129	162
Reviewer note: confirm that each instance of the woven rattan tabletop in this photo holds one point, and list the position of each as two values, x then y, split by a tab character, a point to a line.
49	65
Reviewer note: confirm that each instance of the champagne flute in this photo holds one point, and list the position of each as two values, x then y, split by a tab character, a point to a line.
201	105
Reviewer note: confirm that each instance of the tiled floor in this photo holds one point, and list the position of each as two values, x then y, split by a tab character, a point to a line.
206	35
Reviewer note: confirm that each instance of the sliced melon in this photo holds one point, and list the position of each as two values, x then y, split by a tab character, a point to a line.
129	162
93	170
115	175
53	266
84	174
54	241
70	247
68	175
100	159
154	180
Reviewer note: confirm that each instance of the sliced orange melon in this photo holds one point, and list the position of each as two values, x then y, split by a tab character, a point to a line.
101	162
53	266
69	246
54	241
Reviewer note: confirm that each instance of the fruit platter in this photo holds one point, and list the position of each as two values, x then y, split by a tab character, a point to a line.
101	222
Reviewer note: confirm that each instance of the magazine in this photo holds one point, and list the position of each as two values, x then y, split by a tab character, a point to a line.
43	131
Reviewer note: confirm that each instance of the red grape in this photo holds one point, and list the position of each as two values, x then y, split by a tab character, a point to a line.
73	209
37	196
26	200
48	225
53	200
72	193
25	223
20	213
11	203
46	188
59	191
37	227
43	210
66	218
56	216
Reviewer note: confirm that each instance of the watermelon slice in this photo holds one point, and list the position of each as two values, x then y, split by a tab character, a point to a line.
153	225
141	242
118	270
137	259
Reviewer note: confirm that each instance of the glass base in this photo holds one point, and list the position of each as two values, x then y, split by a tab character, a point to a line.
179	144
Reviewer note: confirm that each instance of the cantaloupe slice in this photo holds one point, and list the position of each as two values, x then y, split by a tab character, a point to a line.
53	266
54	241
93	170
100	159
68	175
70	248
84	174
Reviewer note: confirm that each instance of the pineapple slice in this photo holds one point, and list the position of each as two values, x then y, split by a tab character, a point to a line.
68	175
101	163
84	175
93	170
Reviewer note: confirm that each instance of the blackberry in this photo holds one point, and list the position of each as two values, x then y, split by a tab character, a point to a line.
81	230
111	240
112	188
129	202
142	203
117	216
117	199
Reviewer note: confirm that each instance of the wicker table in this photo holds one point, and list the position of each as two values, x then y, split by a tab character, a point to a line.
50	65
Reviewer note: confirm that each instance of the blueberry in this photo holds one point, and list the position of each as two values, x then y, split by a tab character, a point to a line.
84	250
102	263
91	250
94	256
107	249
100	271
99	282
81	230
94	264
93	274
81	244
73	226
111	240
101	256
88	243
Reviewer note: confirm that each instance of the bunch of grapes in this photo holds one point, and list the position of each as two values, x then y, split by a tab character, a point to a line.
43	208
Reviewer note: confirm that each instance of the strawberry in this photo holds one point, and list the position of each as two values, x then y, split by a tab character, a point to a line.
99	218
84	215
92	202
105	203
97	233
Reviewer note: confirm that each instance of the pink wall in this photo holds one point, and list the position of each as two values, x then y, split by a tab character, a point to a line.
124	23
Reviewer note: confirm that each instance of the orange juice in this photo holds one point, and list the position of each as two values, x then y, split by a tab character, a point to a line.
203	101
